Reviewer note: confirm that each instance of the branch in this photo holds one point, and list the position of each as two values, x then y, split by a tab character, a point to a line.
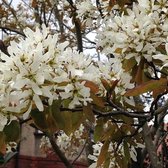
59	152
78	33
58	17
151	147
12	30
72	110
71	3
8	5
161	109
80	152
142	115
114	113
162	139
99	8
154	103
77	27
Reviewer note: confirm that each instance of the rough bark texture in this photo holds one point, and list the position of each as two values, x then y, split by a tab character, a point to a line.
151	149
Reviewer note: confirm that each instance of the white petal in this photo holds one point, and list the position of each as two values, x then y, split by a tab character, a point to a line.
36	88
38	102
161	57
20	83
166	47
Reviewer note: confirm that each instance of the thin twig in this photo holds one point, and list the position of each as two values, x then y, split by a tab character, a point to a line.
161	109
59	152
125	113
80	152
12	30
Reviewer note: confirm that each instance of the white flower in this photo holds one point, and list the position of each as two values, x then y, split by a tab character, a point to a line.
85	8
137	34
38	102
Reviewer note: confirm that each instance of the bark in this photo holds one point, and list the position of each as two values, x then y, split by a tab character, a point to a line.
59	152
151	148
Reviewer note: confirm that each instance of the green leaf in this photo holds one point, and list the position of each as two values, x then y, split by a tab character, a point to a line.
126	152
107	162
103	153
52	126
66	103
97	100
12	131
57	115
67	119
87	110
77	119
147	87
63	119
98	130
39	119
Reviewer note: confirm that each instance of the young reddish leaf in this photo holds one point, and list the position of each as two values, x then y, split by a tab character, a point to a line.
113	85
93	87
34	3
111	4
97	100
140	72
2	143
128	64
89	113
106	85
147	87
103	153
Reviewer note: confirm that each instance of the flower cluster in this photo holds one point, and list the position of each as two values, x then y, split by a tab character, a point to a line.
111	150
70	145
91	12
139	32
87	11
112	70
41	69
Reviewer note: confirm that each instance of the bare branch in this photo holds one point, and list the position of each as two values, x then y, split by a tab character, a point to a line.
77	27
58	17
12	30
125	113
151	147
161	109
59	152
8	5
80	152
